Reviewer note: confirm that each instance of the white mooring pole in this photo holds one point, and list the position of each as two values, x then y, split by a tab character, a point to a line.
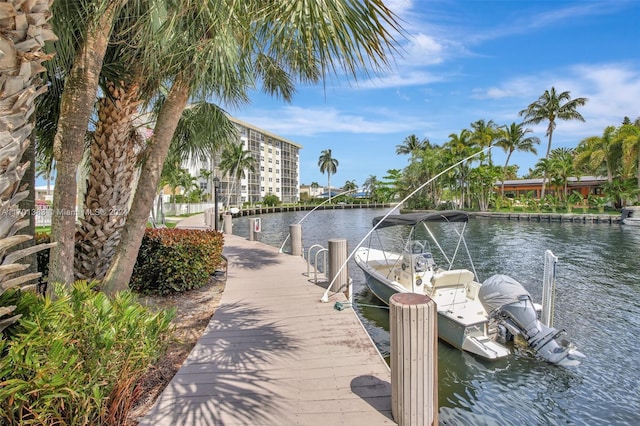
338	253
414	359
295	230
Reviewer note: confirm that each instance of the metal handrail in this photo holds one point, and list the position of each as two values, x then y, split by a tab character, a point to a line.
315	266
309	256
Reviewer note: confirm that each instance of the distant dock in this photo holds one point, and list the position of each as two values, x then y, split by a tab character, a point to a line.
273	354
551	217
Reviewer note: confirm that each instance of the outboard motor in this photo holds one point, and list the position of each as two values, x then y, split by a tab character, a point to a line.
510	305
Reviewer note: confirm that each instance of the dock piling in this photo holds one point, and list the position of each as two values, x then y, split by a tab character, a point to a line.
414	359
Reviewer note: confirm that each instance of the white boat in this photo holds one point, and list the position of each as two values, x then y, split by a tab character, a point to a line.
631	215
479	318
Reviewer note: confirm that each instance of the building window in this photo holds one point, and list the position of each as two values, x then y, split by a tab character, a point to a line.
270	170
203	185
262	168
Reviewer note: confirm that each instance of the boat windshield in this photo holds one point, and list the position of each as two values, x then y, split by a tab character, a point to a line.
418	246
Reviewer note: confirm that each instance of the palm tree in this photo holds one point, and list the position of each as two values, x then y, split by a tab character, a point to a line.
551	106
459	146
370	185
514	138
234	161
221	48
23	52
484	134
84	29
598	153
314	185
562	160
327	164
412	146
350	185
629	136
110	182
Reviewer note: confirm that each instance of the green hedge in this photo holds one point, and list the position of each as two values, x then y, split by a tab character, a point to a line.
76	360
176	260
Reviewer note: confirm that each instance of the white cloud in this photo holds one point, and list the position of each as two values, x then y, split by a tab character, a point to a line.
297	121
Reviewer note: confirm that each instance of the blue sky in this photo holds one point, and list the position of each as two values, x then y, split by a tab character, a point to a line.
464	61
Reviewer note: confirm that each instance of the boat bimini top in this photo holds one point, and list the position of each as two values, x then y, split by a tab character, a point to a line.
412	219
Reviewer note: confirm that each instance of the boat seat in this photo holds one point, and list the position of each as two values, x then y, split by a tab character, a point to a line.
452	278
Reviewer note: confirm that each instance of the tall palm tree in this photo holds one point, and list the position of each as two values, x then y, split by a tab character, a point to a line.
549	107
84	29
328	164
110	182
460	146
514	138
20	68
235	161
223	47
412	145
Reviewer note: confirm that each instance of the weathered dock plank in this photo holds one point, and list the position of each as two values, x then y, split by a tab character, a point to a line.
273	354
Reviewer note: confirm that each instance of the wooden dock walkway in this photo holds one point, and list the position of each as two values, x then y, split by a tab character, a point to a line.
273	354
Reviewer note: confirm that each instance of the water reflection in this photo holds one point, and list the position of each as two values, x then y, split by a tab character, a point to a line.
597	302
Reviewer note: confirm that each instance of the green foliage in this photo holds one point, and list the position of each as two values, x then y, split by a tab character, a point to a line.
271	200
76	360
42	259
176	260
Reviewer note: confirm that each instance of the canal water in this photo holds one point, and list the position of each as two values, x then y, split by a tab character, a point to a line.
597	303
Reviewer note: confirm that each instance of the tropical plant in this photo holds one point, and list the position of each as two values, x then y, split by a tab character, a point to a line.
110	181
20	66
221	48
597	153
483	135
549	107
235	161
77	360
370	184
514	138
328	164
629	136
412	145
84	29
573	199
350	185
271	200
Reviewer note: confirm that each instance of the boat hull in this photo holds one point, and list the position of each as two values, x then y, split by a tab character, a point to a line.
471	338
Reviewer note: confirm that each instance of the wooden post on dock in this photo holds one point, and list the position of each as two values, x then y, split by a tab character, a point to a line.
228	223
295	230
338	254
414	359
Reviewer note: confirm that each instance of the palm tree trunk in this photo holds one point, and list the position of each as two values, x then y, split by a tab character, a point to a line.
109	183
544	175
119	274
76	107
20	66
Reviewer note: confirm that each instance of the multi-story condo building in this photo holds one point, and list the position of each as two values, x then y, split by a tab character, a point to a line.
277	169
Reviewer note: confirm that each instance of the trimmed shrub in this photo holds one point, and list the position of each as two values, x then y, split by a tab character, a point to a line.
77	359
176	260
